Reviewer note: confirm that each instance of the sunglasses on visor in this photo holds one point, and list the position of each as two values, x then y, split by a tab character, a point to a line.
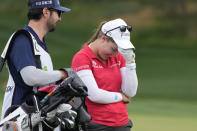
122	28
58	12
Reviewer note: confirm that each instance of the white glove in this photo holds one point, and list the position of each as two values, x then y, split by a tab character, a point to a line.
128	55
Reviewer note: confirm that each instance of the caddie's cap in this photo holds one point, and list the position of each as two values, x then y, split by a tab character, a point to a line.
114	30
54	4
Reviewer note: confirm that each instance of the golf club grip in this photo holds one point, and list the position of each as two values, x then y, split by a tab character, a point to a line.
63	83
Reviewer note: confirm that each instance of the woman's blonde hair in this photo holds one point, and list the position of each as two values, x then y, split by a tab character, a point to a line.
98	34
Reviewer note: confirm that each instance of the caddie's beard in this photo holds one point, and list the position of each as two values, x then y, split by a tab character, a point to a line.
51	27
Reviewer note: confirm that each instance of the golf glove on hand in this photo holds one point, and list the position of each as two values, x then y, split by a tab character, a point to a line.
128	55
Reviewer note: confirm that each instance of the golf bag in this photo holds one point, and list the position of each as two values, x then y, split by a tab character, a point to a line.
62	105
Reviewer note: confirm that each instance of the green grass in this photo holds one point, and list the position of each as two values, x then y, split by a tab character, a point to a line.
163	115
163	123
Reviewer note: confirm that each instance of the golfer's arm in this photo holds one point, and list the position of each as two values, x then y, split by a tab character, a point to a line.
37	77
129	80
94	93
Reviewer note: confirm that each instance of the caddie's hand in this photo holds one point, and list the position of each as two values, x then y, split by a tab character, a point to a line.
77	83
64	74
125	99
128	55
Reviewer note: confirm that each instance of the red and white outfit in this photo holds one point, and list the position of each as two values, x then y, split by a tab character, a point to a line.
104	82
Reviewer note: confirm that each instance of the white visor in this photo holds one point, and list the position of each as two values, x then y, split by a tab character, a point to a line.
122	39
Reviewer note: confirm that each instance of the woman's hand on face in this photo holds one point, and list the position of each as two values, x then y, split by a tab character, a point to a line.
125	99
128	55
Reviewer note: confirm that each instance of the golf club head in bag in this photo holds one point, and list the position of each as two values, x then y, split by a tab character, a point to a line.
78	105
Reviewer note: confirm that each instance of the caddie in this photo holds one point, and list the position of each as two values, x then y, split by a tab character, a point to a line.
26	55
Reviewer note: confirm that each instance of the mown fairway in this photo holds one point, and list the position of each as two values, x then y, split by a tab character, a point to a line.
162	115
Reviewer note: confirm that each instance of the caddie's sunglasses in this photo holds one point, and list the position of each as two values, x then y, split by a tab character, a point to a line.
122	28
58	12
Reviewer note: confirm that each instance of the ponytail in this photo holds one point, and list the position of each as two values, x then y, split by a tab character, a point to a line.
98	34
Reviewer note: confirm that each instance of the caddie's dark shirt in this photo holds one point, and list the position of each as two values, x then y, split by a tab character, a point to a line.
21	56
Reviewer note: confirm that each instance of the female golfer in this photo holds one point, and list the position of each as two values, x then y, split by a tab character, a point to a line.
107	66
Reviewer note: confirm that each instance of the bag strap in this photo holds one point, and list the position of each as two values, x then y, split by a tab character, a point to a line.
9	45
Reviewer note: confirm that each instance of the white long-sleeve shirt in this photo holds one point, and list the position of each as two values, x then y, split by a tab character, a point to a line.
128	87
37	77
